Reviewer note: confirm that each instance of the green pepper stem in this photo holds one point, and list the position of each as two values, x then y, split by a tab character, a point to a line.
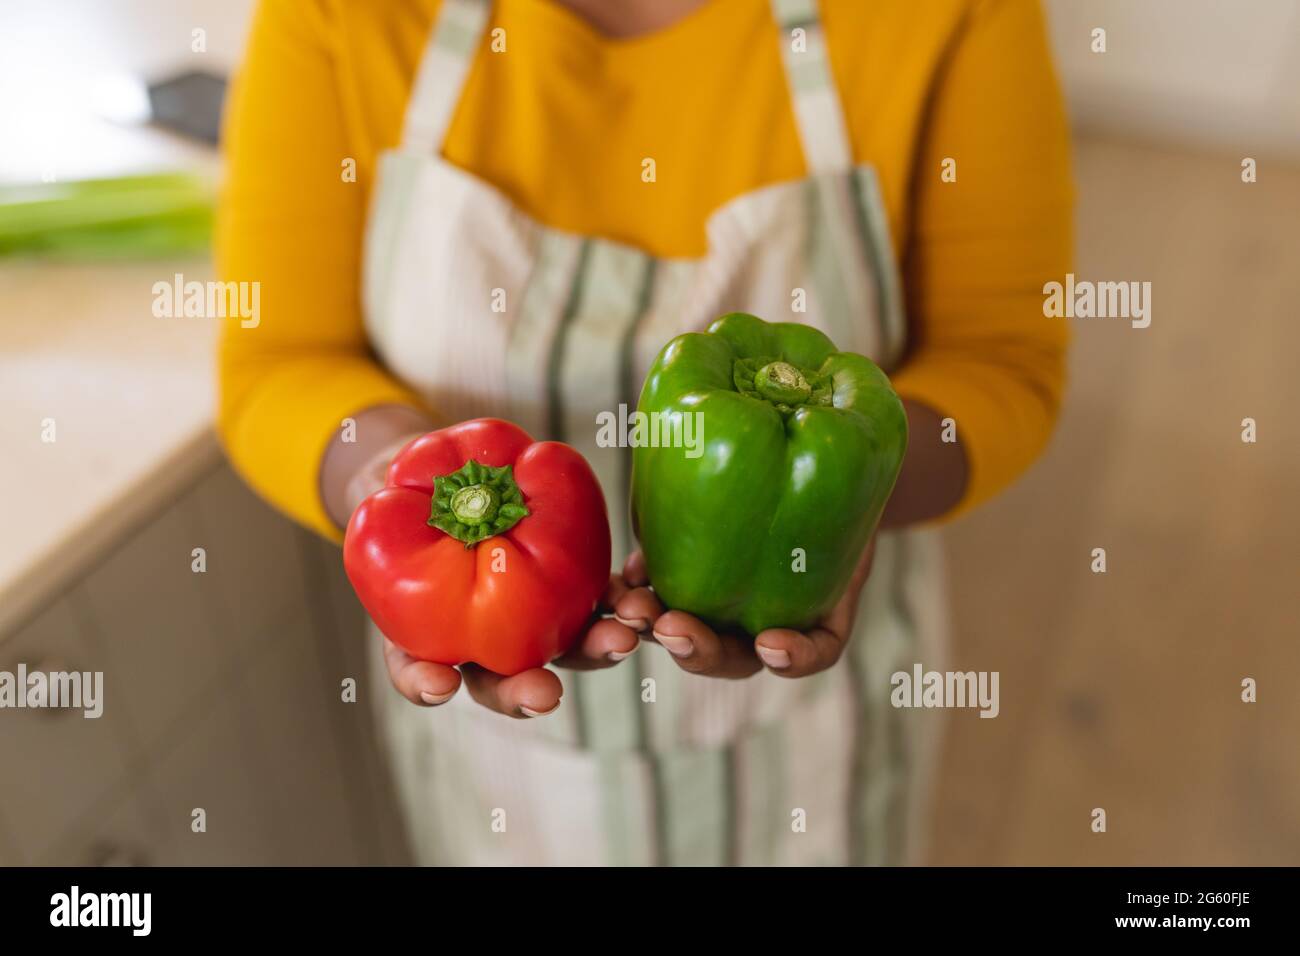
782	384
476	502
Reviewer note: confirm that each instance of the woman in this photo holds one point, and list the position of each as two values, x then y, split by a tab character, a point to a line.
459	208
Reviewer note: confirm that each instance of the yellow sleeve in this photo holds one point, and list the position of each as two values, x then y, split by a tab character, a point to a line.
289	221
982	247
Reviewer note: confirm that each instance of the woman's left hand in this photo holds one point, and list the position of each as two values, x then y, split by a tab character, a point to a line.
699	649
530	693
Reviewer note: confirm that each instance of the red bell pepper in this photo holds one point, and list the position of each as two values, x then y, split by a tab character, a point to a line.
484	546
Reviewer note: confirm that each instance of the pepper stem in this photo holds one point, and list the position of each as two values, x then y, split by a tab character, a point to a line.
476	502
782	384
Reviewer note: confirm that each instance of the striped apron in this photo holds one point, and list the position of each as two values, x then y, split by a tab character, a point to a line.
485	311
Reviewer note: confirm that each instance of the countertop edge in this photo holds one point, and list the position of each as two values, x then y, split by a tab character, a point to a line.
62	564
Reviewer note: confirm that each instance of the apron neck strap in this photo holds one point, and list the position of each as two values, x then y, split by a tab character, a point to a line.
813	95
455	40
443	68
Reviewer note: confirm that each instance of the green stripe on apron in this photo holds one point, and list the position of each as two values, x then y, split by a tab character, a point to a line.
627	809
598	332
839	242
554	431
761	802
630	389
629	386
823	264
868	209
899	755
588	382
878	791
545	304
457	794
696	819
555	417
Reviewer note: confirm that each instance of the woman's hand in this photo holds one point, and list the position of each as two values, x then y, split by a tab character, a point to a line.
353	472
356	461
533	693
636	612
699	649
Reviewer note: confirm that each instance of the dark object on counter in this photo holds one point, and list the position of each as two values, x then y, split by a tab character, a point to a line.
189	104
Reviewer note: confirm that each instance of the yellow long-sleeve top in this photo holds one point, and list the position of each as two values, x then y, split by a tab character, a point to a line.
558	122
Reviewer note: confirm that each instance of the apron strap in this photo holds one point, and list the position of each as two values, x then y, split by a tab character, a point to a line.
816	102
443	68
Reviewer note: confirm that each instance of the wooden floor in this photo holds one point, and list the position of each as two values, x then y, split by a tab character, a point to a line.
1122	690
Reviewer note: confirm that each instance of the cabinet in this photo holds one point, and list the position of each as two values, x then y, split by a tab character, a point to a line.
222	692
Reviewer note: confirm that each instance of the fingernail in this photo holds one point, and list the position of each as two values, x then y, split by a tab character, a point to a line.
677	646
637	624
529	712
433	700
773	657
621	655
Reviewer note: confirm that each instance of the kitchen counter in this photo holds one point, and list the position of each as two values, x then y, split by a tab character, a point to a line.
130	395
131	401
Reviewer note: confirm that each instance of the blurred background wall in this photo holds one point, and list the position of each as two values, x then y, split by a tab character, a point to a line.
1130	682
1119	690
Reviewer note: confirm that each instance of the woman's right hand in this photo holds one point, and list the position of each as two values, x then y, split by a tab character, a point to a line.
352	472
532	693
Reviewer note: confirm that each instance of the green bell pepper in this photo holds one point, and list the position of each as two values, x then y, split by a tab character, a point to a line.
760	523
